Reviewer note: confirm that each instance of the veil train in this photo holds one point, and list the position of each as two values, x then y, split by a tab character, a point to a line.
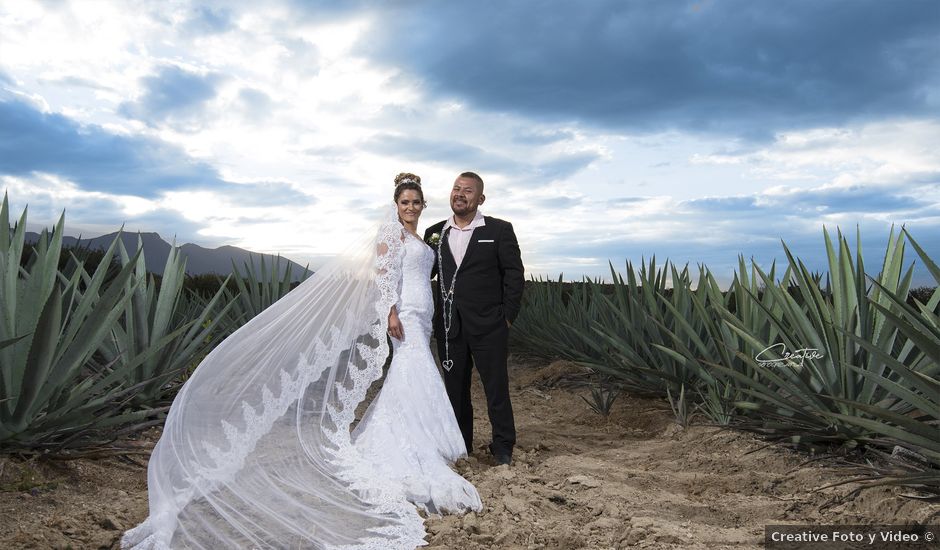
256	450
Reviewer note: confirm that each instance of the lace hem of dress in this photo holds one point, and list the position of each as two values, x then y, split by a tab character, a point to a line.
385	497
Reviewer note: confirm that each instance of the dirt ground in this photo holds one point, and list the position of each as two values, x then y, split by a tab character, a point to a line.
579	480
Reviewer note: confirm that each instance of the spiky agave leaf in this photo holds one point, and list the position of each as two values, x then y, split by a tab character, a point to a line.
60	326
160	334
255	290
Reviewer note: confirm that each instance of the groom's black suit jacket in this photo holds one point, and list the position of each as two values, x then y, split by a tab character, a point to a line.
489	282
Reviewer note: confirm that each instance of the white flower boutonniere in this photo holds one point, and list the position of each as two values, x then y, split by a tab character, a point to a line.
434	239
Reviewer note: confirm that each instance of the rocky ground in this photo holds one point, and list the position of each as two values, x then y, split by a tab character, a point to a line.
579	480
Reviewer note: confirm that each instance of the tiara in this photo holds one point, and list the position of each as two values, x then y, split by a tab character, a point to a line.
408	180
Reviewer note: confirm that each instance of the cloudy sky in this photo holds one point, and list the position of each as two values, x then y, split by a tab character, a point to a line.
605	130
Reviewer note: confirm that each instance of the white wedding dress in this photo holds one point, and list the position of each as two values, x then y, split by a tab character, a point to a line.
410	428
258	449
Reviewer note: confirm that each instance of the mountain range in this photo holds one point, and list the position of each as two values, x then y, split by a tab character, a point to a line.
199	260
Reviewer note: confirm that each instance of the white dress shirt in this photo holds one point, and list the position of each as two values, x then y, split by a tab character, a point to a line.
458	238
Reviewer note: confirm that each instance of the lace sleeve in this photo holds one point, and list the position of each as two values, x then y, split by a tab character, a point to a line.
389	249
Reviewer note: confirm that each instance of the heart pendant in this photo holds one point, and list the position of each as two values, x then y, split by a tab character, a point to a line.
449	364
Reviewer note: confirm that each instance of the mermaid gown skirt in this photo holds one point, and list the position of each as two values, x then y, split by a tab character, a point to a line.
409	433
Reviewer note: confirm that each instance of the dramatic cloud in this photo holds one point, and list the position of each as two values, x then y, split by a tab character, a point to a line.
460	156
98	160
606	130
700	230
452	152
735	67
172	95
92	213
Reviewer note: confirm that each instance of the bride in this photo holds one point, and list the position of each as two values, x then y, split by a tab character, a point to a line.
257	450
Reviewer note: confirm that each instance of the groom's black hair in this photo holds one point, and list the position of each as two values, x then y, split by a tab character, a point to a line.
473	176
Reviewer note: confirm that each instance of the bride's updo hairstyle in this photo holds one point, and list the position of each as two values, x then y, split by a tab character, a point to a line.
406	180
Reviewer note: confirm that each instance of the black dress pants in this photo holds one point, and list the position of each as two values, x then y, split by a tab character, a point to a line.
489	353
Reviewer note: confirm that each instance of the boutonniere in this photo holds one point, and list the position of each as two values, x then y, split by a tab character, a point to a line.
434	239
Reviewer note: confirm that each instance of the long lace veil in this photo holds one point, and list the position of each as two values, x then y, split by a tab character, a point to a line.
256	450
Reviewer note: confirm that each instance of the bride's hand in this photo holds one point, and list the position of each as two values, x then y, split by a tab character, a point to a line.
395	328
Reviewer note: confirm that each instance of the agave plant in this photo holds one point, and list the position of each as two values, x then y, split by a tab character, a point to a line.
257	290
808	403
701	336
10	342
604	392
913	419
626	329
636	322
548	323
874	381
159	334
681	406
51	325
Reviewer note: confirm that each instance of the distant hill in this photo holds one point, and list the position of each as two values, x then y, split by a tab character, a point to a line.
199	260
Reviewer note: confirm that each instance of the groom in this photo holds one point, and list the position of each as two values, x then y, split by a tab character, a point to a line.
479	269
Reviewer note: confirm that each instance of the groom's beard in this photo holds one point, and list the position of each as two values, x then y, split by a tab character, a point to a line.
462	208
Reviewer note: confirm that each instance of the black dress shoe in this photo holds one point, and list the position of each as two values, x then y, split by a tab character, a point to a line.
502	457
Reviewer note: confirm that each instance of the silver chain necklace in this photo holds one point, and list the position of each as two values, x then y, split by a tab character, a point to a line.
447	301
